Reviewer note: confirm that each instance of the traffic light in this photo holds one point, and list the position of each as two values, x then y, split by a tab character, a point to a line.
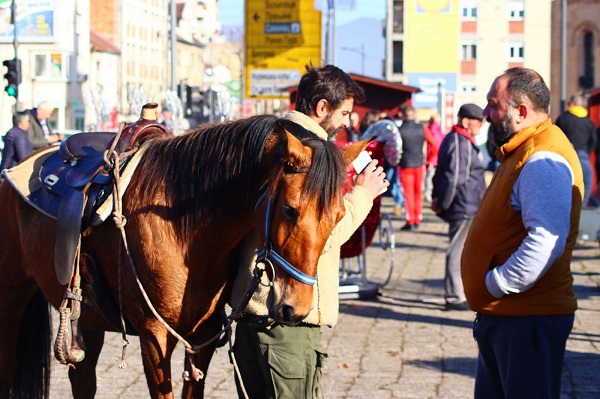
12	76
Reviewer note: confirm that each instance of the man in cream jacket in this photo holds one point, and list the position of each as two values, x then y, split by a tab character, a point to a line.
285	361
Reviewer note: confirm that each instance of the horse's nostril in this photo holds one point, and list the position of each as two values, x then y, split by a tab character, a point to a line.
288	313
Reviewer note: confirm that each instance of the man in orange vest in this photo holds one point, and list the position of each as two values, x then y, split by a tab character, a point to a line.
516	260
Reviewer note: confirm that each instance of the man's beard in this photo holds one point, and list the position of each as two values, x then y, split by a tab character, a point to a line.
499	135
331	130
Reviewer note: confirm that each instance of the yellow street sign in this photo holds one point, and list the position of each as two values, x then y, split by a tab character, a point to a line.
282	36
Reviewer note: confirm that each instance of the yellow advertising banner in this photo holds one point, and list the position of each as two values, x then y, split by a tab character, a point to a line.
432	32
282	36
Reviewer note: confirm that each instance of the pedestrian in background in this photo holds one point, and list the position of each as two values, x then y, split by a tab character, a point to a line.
581	133
516	260
40	132
387	133
16	143
412	165
438	136
354	128
458	186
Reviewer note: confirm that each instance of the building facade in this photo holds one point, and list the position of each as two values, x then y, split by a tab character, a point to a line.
53	43
582	49
492	36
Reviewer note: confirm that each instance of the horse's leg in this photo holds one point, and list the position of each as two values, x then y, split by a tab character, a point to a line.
83	375
157	347
195	389
24	343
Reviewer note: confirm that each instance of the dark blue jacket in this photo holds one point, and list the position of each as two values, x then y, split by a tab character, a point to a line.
16	147
458	182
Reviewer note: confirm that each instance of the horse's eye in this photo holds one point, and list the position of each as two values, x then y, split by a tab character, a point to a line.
290	212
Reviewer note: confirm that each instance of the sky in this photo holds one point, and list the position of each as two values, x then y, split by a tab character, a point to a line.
231	12
365	14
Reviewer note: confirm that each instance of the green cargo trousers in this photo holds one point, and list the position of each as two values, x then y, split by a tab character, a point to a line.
279	362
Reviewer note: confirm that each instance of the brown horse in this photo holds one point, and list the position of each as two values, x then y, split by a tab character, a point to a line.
190	201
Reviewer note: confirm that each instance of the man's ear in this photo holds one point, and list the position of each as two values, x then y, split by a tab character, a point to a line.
523	111
322	109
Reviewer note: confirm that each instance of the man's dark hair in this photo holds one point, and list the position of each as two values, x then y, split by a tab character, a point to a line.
525	82
19	116
328	83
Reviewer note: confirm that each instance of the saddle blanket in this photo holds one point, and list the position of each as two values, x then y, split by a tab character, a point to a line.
25	179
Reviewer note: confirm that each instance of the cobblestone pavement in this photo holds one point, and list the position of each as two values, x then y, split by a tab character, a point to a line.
400	345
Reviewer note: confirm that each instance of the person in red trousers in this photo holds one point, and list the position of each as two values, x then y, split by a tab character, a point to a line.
412	165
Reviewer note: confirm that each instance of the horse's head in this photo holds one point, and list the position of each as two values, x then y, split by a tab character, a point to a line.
300	210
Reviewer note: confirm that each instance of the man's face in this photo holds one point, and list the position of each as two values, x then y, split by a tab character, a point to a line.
24	124
474	126
335	121
499	113
44	113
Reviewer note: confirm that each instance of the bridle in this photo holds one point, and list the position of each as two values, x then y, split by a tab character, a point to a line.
268	256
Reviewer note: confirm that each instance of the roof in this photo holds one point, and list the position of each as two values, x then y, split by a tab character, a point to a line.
101	44
383	83
362	80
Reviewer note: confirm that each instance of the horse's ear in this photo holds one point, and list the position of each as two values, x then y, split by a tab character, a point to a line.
352	151
298	156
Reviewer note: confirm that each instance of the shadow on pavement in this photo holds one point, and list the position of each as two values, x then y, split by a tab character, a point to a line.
368	309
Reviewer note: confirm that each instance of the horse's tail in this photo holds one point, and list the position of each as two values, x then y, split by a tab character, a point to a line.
32	379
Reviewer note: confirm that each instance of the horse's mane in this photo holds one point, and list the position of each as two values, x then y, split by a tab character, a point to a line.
217	168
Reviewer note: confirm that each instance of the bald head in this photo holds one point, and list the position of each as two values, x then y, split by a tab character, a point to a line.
44	110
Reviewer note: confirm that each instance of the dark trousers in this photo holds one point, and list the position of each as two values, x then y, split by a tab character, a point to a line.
520	357
457	234
588	175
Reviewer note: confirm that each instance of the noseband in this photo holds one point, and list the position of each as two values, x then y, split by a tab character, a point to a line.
268	255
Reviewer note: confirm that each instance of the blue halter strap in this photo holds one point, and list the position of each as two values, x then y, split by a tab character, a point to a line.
267	252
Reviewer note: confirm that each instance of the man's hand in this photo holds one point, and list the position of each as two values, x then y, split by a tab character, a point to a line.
55	138
373	179
435	207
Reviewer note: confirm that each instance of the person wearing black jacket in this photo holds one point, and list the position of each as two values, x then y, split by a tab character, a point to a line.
458	187
580	131
16	143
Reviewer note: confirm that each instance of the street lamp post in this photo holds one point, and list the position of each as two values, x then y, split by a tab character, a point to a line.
360	51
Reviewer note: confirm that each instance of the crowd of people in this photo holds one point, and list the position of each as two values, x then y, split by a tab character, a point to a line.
510	243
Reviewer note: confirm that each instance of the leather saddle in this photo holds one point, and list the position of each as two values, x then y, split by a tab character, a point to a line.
76	180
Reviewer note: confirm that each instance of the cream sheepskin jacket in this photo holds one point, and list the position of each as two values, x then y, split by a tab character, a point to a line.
358	203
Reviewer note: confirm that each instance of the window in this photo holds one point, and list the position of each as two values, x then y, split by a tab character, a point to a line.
516	11
397	66
516	51
469	12
468	87
587	79
398	16
52	66
468	52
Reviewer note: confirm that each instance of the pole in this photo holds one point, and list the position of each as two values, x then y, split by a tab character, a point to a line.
333	35
173	46
13	20
362	58
563	56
